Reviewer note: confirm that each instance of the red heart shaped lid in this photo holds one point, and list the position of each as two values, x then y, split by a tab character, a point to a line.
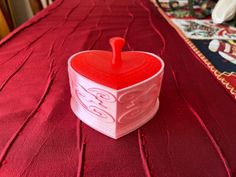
116	69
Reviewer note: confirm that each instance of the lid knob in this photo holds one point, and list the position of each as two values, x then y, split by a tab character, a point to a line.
117	44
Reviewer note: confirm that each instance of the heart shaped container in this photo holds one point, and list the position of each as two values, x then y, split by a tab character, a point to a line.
115	93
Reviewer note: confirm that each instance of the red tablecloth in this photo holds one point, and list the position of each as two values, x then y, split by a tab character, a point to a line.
192	135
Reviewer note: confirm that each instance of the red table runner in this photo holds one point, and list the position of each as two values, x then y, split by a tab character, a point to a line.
193	133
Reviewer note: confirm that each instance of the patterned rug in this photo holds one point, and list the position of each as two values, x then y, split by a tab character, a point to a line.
215	45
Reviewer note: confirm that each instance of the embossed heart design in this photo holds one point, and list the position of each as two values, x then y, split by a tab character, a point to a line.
115	93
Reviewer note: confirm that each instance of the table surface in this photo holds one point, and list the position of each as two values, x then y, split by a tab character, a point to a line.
192	135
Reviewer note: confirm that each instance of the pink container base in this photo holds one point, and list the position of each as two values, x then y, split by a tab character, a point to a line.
114	133
115	93
112	112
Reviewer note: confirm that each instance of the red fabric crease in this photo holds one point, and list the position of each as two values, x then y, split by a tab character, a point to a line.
14	72
143	154
9	144
81	160
214	143
155	29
